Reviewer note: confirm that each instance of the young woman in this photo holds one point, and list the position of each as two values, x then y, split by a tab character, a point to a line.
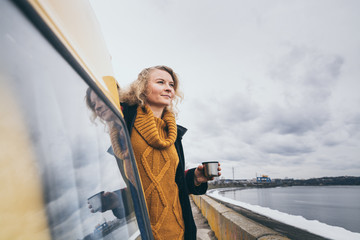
148	107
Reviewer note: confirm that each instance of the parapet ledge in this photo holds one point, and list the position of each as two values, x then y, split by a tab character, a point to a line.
228	224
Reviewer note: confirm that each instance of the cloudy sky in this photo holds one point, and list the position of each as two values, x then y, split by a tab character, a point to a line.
271	87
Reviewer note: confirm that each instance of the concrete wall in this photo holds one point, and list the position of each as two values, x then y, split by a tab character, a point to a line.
228	224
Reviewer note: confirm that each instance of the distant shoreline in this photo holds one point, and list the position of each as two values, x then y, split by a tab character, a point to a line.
324	181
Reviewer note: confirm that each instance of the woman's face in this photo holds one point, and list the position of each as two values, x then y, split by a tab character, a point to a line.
100	108
160	89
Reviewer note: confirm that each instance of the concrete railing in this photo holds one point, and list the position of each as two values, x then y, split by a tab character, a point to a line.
228	224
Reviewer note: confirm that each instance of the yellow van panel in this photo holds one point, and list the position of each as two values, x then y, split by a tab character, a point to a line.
113	89
22	213
75	24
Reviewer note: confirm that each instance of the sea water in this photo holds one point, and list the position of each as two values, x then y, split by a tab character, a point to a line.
329	211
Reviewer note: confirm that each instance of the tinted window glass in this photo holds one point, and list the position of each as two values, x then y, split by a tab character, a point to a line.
88	182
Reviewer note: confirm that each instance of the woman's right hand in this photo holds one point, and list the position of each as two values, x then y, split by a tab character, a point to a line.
109	201
199	176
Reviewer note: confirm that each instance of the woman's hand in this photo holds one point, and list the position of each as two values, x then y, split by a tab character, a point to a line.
109	201
199	176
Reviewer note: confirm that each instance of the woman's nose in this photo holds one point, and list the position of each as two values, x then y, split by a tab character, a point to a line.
168	88
98	106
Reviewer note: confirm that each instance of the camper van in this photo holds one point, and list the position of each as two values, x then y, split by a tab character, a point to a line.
61	177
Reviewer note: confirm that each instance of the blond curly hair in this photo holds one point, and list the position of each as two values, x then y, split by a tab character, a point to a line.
136	93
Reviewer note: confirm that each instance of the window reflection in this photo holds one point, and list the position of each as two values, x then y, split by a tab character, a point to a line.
116	130
72	154
118	201
121	151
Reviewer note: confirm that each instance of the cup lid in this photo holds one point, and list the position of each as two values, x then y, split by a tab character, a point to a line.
210	162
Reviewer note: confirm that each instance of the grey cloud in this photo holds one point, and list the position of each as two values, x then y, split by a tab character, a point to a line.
285	145
60	209
288	149
285	160
331	163
308	72
238	109
296	161
307	78
332	142
334	136
222	146
353	124
323	70
84	151
320	77
295	121
316	67
225	114
205	119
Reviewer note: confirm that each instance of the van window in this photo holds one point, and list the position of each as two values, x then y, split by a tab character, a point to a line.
88	183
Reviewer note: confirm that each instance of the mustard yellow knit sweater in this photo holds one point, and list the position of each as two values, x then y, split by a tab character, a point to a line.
156	157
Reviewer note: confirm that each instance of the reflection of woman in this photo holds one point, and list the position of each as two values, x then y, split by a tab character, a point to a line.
156	141
119	148
117	201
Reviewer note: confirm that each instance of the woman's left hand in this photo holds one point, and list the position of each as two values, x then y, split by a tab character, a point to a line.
199	176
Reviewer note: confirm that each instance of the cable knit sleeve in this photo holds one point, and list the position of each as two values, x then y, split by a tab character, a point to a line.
192	189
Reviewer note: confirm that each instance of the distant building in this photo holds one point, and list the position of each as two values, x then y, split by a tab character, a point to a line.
263	179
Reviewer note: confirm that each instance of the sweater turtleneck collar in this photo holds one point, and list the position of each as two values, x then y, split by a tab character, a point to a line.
158	133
